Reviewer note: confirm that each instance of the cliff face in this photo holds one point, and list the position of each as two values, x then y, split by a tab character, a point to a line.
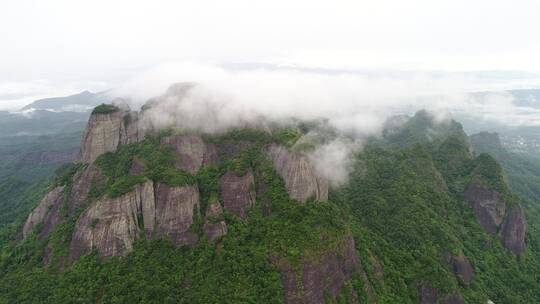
106	131
43	209
487	205
462	268
238	192
513	231
493	213
111	225
324	275
102	135
191	152
301	179
175	208
213	226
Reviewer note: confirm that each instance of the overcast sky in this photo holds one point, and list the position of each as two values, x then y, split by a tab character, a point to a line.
55	47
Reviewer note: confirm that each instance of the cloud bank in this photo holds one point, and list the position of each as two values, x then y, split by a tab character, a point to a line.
356	104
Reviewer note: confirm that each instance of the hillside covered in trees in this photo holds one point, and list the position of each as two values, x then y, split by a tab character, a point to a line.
148	215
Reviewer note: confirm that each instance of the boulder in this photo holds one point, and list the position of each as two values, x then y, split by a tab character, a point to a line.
111	225
172	214
44	211
237	192
301	179
513	231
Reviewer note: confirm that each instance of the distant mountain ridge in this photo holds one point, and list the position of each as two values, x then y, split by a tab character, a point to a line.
81	102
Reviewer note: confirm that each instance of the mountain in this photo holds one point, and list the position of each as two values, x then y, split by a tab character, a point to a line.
243	216
81	102
34	143
519	133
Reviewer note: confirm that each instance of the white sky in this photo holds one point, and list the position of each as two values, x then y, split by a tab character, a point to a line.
53	47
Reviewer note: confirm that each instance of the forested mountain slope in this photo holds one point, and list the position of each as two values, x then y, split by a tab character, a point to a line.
243	216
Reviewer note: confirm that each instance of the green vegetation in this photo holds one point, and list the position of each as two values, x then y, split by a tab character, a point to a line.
403	205
237	268
105	109
158	162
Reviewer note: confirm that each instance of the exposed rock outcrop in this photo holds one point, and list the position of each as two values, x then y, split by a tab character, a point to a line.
213	227
428	294
111	225
190	151
462	268
301	179
487	205
173	214
454	298
82	184
323	275
102	135
513	231
52	200
130	123
237	192
492	212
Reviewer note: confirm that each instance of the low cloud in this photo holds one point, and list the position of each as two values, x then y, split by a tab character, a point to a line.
356	104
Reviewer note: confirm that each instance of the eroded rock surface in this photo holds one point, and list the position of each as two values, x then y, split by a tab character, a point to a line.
190	150
428	294
487	205
173	214
513	231
323	275
44	209
111	225
238	192
462	268
102	135
130	130
90	177
454	298
301	179
213	227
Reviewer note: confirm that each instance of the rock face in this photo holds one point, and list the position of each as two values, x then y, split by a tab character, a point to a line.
462	268
301	180
324	275
214	228
238	192
82	184
130	130
428	294
190	151
513	231
491	212
172	214
454	298
111	225
43	210
102	135
487	205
